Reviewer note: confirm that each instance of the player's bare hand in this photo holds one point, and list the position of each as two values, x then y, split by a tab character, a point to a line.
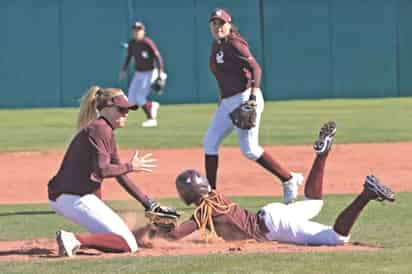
142	163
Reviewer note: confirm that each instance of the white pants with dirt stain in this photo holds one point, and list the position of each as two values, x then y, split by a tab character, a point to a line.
221	126
291	224
93	214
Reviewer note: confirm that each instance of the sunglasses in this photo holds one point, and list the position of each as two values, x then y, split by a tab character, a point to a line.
122	110
218	22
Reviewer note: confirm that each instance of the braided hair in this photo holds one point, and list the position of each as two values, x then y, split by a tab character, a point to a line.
203	214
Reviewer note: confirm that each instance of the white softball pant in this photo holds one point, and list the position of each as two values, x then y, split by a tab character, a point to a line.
93	214
139	88
221	126
291	224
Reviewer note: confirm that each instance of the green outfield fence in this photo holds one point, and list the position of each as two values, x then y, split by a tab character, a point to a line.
52	50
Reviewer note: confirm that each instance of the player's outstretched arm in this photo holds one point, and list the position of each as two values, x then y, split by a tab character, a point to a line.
184	229
142	163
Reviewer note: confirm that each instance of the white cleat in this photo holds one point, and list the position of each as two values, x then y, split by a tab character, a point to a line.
324	142
150	123
154	109
290	188
67	243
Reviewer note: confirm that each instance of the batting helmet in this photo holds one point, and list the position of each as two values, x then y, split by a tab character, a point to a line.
191	186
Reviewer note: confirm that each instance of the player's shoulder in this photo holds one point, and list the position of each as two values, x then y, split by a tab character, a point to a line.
218	196
99	128
148	41
236	40
226	199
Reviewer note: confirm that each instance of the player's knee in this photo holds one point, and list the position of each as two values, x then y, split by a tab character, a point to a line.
337	239
252	153
314	204
210	148
140	102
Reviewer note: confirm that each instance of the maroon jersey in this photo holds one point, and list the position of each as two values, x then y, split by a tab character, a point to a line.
234	66
236	224
145	53
92	156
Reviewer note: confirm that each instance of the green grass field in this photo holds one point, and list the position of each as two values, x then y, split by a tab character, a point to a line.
385	225
287	122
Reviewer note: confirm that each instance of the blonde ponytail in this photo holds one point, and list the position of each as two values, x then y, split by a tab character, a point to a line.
88	110
89	102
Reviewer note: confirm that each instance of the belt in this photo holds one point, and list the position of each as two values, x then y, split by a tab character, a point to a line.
53	196
261	221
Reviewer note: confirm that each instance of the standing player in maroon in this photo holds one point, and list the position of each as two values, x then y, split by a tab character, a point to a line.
75	191
238	76
145	54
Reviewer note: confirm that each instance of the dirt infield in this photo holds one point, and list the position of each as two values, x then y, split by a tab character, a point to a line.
25	175
47	249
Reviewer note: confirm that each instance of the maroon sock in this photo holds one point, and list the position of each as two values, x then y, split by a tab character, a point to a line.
274	167
211	164
349	215
106	242
314	183
147	108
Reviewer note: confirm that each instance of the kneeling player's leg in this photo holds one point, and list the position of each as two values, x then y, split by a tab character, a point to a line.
93	214
106	242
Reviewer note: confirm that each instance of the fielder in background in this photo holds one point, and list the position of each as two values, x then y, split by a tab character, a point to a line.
145	53
217	215
238	76
75	191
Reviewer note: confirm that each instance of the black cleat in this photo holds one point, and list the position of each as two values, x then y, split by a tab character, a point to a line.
382	192
324	142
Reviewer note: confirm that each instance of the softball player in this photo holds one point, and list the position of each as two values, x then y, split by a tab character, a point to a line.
217	215
145	53
75	191
238	76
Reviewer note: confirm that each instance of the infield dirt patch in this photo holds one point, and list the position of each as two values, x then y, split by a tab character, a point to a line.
47	249
24	175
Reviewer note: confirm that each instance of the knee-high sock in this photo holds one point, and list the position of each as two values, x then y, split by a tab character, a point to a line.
314	183
147	108
349	215
106	242
274	167
211	164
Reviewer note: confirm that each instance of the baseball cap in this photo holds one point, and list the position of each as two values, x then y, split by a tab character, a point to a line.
221	14
119	101
138	25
